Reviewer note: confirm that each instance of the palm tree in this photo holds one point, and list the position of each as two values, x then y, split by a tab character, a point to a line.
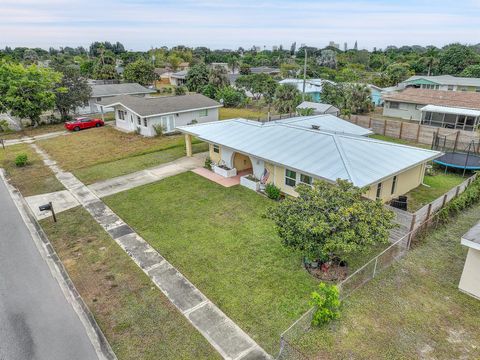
431	58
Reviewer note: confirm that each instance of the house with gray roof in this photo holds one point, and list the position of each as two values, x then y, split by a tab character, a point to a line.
145	114
103	91
443	82
319	108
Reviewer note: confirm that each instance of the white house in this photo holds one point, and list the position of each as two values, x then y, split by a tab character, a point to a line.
102	91
319	108
145	113
470	280
443	82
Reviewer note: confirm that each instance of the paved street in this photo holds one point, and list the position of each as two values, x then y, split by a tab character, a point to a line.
36	320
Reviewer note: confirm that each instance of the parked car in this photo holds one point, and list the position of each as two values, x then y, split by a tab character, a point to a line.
83	123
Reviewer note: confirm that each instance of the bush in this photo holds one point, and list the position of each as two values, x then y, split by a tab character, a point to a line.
180	90
159	129
466	199
230	96
272	191
326	301
208	163
21	160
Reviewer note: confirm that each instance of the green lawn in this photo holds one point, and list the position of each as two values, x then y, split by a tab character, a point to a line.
438	184
251	114
413	310
137	319
219	238
399	141
34	178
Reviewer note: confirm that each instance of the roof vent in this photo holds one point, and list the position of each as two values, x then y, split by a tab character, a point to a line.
315	127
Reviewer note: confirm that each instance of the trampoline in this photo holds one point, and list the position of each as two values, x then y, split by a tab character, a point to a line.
459	161
464	156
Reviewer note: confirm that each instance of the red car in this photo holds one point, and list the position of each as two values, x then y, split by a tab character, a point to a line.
83	123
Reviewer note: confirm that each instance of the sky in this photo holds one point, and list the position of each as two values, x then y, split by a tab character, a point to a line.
143	24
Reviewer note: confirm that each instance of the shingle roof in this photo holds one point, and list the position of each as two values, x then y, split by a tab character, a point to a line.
149	106
322	154
326	122
119	89
461	99
447	80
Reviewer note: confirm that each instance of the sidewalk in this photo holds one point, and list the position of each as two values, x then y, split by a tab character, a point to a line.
222	333
31	139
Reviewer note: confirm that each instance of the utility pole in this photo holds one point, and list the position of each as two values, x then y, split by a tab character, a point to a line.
304	74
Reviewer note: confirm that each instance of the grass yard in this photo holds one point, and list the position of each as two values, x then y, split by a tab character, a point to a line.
34	178
413	310
398	141
219	239
137	319
102	153
31	131
251	114
439	184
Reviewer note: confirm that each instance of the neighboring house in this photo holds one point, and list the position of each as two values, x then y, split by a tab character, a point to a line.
287	155
163	77
319	108
178	78
470	280
133	113
103	91
376	94
265	70
443	82
313	87
450	109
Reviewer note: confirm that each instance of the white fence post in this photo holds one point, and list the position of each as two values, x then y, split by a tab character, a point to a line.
375	267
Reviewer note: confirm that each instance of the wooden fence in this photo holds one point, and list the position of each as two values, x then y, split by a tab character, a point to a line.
422	134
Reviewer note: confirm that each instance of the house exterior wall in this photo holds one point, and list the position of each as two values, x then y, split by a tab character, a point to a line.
215	157
470	280
406	181
241	162
405	111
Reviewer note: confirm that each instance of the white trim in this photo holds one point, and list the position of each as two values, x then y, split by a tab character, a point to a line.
471	244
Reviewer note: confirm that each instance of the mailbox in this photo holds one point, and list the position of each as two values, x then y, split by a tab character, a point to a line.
45	207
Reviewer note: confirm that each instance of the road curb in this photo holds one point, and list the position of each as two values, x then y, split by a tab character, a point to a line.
94	333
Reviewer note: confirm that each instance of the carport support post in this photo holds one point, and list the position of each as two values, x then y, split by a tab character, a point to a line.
101	110
188	144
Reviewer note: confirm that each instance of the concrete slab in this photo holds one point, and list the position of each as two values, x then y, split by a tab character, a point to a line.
221	330
120	231
61	200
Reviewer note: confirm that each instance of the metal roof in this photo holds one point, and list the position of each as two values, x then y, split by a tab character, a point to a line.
119	89
450	110
472	237
322	154
446	80
160	105
326	122
321	107
311	85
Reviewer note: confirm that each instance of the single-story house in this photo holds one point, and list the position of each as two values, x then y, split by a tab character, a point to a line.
265	70
411	104
103	91
287	155
319	108
443	82
326	122
376	94
470	280
178	78
143	114
313	87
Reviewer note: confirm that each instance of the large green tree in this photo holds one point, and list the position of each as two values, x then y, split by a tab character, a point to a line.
28	91
197	77
74	90
472	71
456	57
140	71
287	98
257	84
218	77
329	221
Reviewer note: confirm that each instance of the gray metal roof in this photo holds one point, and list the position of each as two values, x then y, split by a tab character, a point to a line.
119	89
320	107
326	122
322	154
150	106
180	74
447	80
450	110
472	237
311	85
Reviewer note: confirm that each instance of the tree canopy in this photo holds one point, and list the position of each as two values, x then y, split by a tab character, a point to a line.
140	71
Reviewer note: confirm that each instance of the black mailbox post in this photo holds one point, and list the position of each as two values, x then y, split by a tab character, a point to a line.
48	207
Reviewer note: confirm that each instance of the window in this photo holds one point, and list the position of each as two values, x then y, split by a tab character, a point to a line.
121	114
203	113
145	122
477	89
394	105
450	87
305	179
394	185
99	99
216	148
139	121
379	190
168	122
290	178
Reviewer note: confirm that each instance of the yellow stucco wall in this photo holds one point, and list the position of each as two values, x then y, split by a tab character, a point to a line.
406	181
241	162
215	157
470	280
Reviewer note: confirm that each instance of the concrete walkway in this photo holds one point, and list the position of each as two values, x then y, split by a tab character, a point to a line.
147	176
222	333
31	139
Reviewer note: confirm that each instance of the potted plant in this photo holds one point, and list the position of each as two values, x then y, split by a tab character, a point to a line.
224	170
250	181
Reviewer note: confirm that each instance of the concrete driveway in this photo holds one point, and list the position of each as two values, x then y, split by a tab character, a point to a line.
36	320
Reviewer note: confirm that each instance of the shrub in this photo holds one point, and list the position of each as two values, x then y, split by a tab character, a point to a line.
272	191
326	301
180	90
466	199
208	163
159	129
230	96
21	159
